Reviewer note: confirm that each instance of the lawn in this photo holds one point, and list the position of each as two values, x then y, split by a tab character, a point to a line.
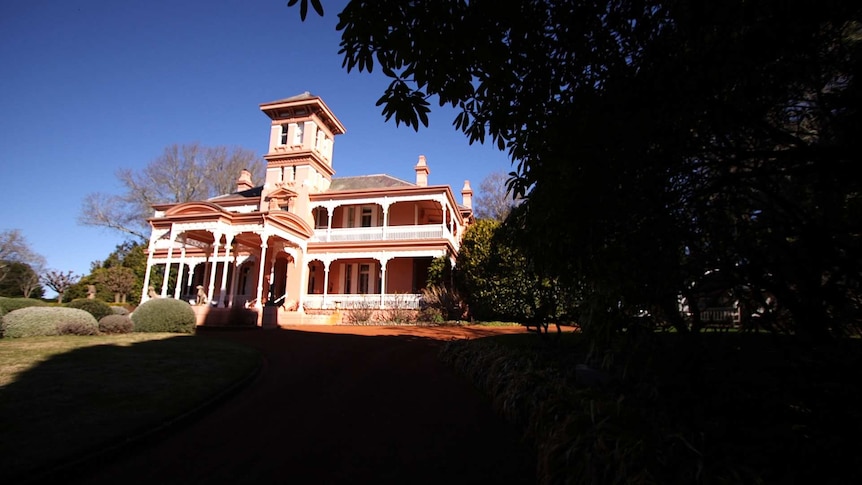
62	398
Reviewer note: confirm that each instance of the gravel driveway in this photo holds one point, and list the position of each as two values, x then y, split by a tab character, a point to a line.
336	405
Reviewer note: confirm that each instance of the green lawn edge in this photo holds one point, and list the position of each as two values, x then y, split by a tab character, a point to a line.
65	401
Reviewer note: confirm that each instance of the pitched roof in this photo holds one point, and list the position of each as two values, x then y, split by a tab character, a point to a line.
298	97
252	192
362	182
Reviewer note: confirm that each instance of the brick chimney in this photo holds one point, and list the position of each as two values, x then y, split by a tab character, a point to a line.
467	195
244	181
422	172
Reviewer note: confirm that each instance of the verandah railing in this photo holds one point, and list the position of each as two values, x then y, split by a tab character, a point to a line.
407	301
388	233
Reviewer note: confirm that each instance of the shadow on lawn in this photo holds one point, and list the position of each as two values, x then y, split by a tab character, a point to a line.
85	403
325	407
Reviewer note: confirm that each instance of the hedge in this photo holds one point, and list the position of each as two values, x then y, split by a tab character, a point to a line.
97	308
164	315
113	324
45	321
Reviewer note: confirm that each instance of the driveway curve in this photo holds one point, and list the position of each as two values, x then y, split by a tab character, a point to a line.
338	405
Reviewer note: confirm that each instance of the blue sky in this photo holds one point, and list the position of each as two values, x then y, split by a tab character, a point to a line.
91	86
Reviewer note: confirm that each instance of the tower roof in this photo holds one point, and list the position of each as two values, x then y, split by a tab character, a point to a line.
300	105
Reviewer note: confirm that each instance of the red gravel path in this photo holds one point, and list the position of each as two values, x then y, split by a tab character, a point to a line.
336	405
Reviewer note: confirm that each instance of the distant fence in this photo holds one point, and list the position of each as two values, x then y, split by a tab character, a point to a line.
720	316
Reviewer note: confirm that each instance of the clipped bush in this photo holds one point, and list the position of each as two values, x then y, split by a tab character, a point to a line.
164	315
12	304
98	308
78	328
119	310
44	321
113	324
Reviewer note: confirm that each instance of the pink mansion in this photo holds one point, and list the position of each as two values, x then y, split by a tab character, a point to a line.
304	241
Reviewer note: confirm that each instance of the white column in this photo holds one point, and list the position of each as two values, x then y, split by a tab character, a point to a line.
329	212
383	263
222	295
271	279
191	277
168	264
385	218
144	295
233	278
303	285
213	267
261	265
325	282
180	272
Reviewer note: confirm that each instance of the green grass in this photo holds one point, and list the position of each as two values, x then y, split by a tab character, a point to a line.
64	397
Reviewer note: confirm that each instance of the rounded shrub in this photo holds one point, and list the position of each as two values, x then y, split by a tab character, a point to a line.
164	315
116	324
78	328
119	310
12	304
44	321
97	308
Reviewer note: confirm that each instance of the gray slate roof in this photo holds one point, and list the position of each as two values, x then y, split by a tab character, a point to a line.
363	182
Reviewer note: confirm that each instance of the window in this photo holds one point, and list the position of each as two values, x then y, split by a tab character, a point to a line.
348	277
366	217
351	217
321	218
297	134
364	277
243	280
318	144
312	273
283	139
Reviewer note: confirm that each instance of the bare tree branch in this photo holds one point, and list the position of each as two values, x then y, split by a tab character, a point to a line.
182	173
494	200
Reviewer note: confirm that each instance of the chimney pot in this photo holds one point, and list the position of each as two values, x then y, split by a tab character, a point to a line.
422	172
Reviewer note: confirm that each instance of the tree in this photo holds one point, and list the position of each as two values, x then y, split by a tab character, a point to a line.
15	248
59	281
129	254
21	281
182	173
118	280
654	141
492	275
494	200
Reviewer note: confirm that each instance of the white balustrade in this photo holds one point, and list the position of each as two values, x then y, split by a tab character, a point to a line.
408	301
389	233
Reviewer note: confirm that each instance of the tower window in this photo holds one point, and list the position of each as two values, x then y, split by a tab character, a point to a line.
297	134
283	139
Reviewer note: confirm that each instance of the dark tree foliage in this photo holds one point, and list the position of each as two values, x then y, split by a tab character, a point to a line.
129	255
20	281
499	282
653	141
